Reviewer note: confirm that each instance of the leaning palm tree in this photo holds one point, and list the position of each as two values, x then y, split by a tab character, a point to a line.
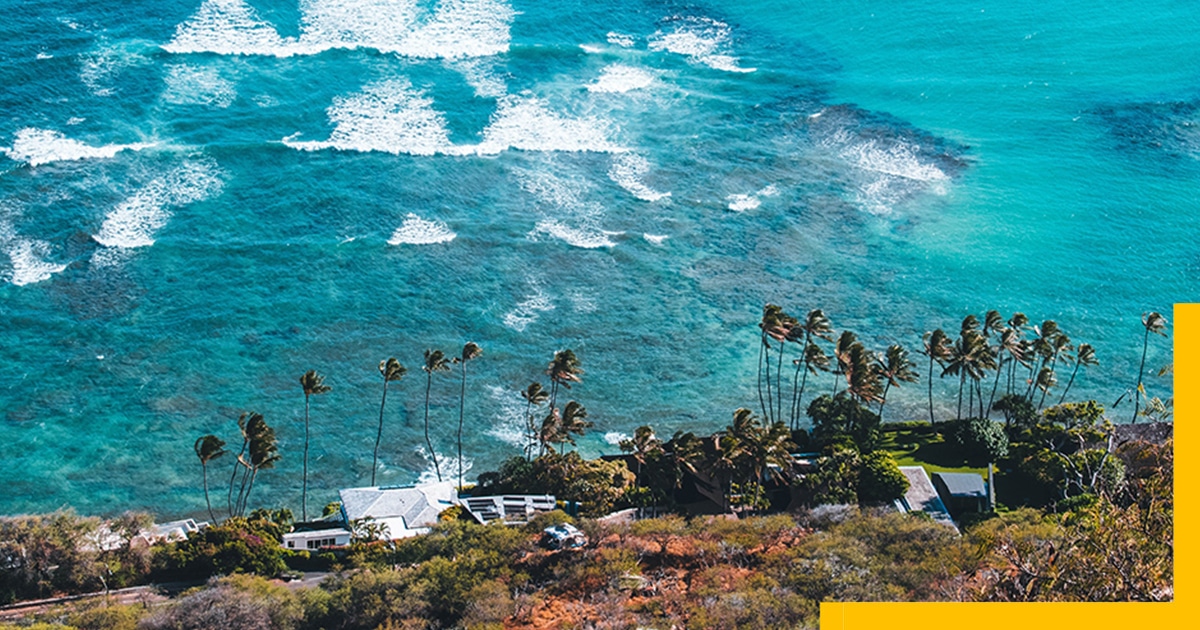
642	445
312	383
470	352
435	361
1155	323
208	448
391	370
1084	355
841	352
533	395
248	423
862	379
264	452
815	360
939	349
815	324
896	368
563	370
1045	380
769	326
574	420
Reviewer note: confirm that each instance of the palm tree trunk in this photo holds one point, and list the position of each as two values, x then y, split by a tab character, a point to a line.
233	478
995	386
792	413
462	401
1137	391
931	420
778	381
249	488
962	375
769	409
1073	373
883	401
970	399
761	348
204	466
379	434
304	491
432	454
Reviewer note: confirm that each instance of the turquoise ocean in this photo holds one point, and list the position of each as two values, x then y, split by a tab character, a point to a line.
202	199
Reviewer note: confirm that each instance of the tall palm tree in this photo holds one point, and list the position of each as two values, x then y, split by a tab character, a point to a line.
896	368
551	431
1042	346
1084	355
264	452
1018	323
248	423
1009	349
435	361
390	370
208	448
782	334
1045	380
470	351
533	395
1155	323
862	379
312	383
815	360
815	324
773	325
841	352
563	370
938	348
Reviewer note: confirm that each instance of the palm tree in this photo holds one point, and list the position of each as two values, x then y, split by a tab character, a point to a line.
263	455
841	352
248	423
1012	346
862	380
259	450
435	361
772	326
574	420
533	395
563	370
470	352
1153	322
1045	380
643	444
391	370
551	431
208	448
312	383
815	360
1085	355
815	325
937	348
896	368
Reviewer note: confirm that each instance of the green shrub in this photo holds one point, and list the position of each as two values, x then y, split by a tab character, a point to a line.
980	440
238	545
879	478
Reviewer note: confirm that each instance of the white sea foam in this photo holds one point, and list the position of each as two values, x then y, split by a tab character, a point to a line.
770	190
99	68
627	171
450	29
198	85
528	124
656	239
571	217
615	437
418	231
43	146
527	311
700	39
134	222
228	27
389	116
886	173
620	39
586	237
618	78
742	203
75	120
44	55
29	258
508	423
481	75
448	464
591	49
582	301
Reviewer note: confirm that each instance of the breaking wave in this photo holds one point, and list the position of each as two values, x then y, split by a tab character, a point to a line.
43	146
627	171
527	311
418	231
197	85
134	222
700	39
619	78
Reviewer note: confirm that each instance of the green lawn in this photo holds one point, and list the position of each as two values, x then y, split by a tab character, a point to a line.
924	447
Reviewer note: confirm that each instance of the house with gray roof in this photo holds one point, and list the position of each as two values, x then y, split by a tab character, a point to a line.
403	510
962	492
923	497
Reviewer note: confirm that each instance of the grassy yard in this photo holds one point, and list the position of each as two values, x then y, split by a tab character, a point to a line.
919	445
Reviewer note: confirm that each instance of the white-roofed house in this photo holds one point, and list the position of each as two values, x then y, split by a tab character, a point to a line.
403	510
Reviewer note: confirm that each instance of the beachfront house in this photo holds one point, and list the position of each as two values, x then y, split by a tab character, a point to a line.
923	497
962	493
315	535
511	509
402	511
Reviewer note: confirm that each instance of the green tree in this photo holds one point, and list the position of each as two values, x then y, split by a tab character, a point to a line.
435	361
263	452
563	370
533	395
470	351
312	383
642	445
840	416
1085	355
815	324
390	370
1155	323
938	348
896	367
208	448
879	478
574	421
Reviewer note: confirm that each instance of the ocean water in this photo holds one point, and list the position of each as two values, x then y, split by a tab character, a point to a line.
202	199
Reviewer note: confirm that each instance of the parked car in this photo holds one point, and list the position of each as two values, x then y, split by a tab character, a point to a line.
563	536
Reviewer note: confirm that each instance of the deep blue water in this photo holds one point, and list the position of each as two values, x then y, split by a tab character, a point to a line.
202	200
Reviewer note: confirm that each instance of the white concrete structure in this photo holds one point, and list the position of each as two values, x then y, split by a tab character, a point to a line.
404	510
312	539
511	508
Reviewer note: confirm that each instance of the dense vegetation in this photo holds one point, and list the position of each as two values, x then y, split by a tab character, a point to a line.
1081	515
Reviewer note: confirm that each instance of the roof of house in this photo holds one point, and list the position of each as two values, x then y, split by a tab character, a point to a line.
922	496
399	507
962	484
516	508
